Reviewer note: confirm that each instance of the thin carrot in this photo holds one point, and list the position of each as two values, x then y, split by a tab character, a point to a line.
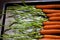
51	27
51	23
48	39
48	6
54	18
44	39
53	4
51	36
51	11
53	15
48	32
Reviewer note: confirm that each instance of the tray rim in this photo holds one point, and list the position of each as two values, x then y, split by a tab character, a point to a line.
30	1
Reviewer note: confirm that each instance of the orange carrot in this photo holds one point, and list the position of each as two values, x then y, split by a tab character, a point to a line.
48	32
51	36
51	11
48	6
48	39
51	27
51	23
53	15
44	39
54	18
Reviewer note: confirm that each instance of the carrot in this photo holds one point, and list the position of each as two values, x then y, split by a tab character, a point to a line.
51	27
44	39
48	32
48	39
53	15
54	18
51	11
48	6
51	23
51	36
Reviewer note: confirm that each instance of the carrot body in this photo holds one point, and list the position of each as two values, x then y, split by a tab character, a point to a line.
44	39
54	18
51	11
53	15
51	27
48	39
48	32
51	23
51	36
48	6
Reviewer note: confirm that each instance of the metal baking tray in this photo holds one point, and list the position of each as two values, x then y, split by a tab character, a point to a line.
28	3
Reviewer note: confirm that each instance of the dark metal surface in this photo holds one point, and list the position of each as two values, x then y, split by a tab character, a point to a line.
3	21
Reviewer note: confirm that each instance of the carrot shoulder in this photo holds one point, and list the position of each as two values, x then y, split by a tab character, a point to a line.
54	18
48	6
51	27
51	36
48	32
51	11
51	23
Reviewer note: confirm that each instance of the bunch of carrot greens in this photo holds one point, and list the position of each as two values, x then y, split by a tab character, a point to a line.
27	22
